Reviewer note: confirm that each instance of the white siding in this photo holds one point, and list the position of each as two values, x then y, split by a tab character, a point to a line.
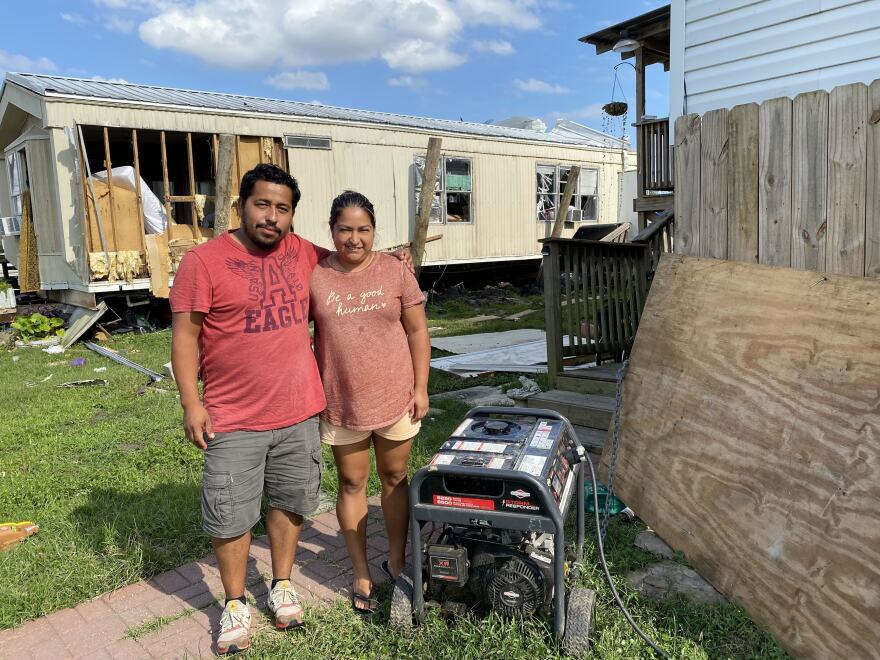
727	52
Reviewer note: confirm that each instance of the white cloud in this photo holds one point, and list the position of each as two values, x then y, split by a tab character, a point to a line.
495	46
116	23
23	63
74	19
417	55
533	85
299	80
407	81
409	35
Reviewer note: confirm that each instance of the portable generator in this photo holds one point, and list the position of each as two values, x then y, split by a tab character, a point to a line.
500	489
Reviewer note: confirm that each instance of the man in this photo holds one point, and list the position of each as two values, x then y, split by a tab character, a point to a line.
240	308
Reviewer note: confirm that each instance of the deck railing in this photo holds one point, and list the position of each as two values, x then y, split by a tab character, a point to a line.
655	162
595	291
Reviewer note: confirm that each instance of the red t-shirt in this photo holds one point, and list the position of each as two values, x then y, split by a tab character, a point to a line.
360	342
256	362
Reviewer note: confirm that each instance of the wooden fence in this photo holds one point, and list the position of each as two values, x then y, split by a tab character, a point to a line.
785	183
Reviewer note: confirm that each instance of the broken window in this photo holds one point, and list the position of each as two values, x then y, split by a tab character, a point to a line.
551	180
18	183
453	189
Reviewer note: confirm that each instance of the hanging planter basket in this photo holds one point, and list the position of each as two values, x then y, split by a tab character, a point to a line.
615	108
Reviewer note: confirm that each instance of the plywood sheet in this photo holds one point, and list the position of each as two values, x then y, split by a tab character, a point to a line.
750	440
123	234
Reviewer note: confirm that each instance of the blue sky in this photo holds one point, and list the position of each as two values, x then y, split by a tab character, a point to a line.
478	60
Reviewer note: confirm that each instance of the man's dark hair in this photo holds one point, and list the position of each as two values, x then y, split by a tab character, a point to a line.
272	174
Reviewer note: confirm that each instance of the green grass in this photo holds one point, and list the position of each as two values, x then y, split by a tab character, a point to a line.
158	623
453	315
108	476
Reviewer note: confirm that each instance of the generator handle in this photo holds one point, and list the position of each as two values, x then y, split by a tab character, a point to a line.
541	413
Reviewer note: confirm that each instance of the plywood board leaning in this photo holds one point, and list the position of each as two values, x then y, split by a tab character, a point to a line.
750	440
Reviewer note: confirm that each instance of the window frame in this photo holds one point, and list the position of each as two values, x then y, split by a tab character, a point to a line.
17	159
559	187
441	188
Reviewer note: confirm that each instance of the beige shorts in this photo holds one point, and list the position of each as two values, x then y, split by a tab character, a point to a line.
402	429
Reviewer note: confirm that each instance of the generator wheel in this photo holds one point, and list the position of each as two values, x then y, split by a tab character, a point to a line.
401	614
578	621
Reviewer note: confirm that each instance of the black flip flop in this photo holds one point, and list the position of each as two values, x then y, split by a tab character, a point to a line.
368	603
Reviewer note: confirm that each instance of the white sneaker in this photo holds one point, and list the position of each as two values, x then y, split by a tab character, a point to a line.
235	624
285	606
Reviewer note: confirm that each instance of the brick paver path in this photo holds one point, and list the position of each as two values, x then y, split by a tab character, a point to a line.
193	592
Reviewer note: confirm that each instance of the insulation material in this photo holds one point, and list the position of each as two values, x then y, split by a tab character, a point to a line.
155	218
125	265
750	441
28	263
199	201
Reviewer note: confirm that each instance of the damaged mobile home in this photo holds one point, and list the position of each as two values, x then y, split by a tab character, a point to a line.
76	233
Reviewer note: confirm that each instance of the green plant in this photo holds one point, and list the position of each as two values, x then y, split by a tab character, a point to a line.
4	285
37	326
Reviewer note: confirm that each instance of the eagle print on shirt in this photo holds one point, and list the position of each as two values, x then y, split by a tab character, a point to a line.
275	292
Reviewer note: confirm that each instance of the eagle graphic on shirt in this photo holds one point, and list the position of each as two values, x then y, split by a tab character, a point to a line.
276	297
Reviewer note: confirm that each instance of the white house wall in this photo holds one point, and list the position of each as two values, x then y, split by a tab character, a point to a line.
378	162
727	52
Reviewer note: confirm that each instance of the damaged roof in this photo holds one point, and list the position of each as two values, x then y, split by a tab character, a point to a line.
132	94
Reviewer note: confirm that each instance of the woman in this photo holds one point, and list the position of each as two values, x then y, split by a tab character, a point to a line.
373	352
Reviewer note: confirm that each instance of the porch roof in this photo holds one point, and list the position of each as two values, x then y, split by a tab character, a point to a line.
650	29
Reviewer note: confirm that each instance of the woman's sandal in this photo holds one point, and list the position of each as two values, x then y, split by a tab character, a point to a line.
364	605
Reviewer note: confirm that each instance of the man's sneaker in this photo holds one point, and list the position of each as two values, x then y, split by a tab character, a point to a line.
285	606
235	624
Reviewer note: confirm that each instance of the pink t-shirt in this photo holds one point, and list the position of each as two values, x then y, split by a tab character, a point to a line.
360	341
256	363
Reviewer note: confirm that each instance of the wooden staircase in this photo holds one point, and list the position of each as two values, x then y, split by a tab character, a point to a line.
586	397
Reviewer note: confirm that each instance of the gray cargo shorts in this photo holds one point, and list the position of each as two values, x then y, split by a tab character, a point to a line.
240	466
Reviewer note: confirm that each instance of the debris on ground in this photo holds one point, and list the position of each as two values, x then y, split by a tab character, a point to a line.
84	383
78	362
649	541
53	350
481	395
667	578
485	341
12	533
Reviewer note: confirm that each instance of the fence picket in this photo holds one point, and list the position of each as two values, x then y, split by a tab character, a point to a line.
872	229
742	184
809	153
774	191
713	189
687	196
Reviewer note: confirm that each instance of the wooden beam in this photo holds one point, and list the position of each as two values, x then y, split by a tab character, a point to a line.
192	185
223	184
108	167
137	184
426	199
165	184
564	201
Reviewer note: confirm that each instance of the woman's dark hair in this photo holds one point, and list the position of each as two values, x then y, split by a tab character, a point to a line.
272	174
348	199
